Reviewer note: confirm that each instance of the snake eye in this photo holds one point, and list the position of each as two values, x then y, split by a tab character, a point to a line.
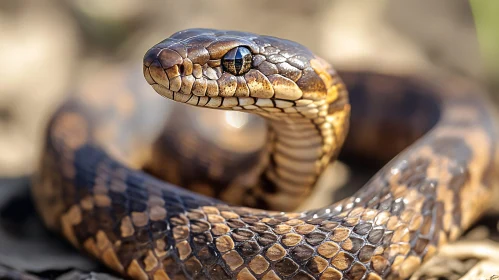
237	61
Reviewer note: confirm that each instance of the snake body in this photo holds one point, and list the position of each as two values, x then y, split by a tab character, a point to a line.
145	228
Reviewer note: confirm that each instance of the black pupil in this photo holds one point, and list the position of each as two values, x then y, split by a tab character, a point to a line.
237	60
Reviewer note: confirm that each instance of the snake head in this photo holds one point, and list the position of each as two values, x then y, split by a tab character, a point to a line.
240	71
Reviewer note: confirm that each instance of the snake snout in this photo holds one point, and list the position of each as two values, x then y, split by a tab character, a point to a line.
164	70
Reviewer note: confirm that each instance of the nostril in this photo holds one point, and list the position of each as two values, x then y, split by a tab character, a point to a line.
181	69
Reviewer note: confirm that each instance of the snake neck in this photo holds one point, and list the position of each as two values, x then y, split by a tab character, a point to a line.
299	148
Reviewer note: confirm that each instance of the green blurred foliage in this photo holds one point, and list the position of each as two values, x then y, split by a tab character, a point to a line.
486	14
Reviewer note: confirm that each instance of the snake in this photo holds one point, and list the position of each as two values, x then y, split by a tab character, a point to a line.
437	134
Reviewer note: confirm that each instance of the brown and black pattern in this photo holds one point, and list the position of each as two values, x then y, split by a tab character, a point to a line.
145	228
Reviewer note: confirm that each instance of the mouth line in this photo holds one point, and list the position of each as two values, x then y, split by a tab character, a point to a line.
238	103
229	102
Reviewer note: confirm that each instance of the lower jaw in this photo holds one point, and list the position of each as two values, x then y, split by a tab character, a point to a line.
204	101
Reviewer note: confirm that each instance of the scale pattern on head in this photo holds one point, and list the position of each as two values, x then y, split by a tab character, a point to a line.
277	79
229	69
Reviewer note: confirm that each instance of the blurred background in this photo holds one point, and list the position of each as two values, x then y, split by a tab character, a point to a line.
49	49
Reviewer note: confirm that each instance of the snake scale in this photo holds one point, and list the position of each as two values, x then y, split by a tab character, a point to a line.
145	228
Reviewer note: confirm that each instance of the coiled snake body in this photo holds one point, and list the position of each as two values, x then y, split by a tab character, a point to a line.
145	228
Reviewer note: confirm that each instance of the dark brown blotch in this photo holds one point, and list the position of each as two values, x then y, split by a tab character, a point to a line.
158	228
207	255
142	235
267	238
366	253
302	252
242	234
235	223
249	248
315	221
363	228
260	228
193	267
315	238
217	272
387	239
286	267
375	235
